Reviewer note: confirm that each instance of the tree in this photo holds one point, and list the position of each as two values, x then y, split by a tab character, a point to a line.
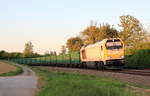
53	53
28	51
4	54
47	53
15	55
36	55
63	49
94	33
132	32
74	44
89	34
106	31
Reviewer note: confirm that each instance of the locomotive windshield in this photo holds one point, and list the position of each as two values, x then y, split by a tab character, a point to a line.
114	44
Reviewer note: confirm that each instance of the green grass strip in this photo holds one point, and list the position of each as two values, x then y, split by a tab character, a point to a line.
73	84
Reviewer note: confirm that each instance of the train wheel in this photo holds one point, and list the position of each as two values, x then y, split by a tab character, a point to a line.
100	66
80	65
84	65
96	65
68	65
76	66
73	66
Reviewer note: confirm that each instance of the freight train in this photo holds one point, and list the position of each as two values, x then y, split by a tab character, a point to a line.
108	53
105	53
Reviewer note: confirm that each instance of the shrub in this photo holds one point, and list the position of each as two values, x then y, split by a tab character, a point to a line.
141	59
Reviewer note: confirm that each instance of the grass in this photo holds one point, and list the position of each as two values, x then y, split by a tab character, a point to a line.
12	73
73	84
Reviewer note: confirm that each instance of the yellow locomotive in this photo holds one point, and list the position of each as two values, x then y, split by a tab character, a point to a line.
108	52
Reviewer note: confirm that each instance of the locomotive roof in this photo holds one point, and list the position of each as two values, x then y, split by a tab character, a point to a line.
98	42
90	45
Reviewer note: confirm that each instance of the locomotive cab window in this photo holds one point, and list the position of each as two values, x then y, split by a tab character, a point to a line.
114	44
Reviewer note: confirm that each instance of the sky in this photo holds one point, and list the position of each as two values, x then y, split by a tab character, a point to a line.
49	23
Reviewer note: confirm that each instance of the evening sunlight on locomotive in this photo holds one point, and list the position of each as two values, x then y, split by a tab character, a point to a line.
104	54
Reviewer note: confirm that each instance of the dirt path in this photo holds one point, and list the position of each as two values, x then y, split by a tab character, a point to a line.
4	67
22	85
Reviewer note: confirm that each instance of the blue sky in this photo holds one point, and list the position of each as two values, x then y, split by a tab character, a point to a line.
48	23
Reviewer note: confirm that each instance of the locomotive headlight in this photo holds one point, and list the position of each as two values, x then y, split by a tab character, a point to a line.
122	57
109	57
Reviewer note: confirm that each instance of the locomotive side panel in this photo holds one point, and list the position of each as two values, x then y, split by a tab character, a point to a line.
93	52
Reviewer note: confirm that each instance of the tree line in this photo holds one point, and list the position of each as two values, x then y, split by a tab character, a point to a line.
130	30
27	53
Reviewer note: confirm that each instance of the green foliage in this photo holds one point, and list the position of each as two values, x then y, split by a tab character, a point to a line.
47	53
51	53
15	55
132	32
138	46
4	54
141	59
69	84
94	33
28	51
63	49
74	44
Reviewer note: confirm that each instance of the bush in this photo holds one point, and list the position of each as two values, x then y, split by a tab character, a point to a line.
141	59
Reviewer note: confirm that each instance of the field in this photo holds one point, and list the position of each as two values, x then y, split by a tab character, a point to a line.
73	84
4	67
8	69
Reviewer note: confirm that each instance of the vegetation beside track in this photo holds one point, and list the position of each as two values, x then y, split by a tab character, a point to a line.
73	84
141	59
12	73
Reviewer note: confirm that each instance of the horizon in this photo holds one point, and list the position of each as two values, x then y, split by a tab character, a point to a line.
48	24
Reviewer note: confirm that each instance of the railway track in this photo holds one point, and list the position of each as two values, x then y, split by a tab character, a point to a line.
127	76
135	76
142	72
